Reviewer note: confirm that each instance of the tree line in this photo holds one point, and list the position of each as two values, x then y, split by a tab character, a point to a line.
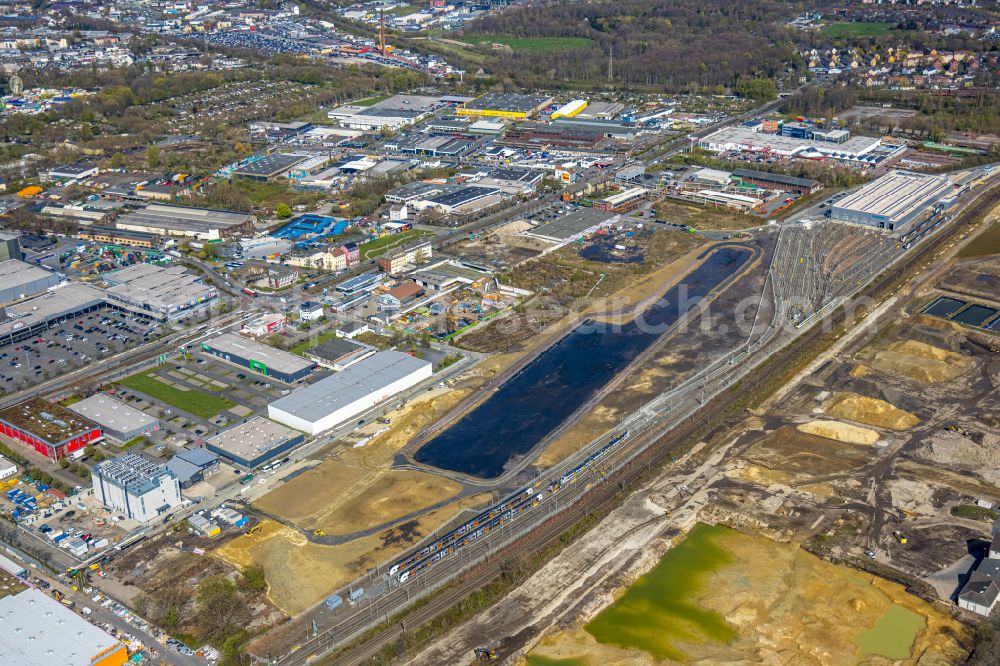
672	44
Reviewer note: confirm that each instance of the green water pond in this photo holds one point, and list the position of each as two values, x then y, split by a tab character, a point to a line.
658	612
892	636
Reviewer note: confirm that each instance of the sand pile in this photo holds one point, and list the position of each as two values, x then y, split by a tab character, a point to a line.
870	411
921	361
860	370
841	432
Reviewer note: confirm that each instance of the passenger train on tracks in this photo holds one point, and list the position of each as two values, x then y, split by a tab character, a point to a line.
494	517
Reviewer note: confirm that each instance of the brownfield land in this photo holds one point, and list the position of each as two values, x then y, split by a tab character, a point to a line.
706	218
564	284
786	606
300	573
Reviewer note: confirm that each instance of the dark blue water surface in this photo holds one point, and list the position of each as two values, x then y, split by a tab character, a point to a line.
944	307
974	315
535	401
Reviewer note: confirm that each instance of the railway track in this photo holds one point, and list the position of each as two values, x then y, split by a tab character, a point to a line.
668	439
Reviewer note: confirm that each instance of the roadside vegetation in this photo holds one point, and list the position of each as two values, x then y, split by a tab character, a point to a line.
973	512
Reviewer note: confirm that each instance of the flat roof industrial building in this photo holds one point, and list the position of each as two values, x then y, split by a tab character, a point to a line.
258	357
344	395
19	280
339	353
118	420
268	167
161	292
191	466
255	442
573	225
37	630
199	223
123	236
504	105
739	138
27	318
48	427
892	201
462	199
135	486
778	181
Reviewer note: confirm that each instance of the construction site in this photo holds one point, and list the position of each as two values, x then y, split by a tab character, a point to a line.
850	506
866	461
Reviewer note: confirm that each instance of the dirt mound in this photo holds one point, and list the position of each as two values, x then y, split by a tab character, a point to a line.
911	495
924	350
860	371
513	228
841	432
921	361
870	411
955	450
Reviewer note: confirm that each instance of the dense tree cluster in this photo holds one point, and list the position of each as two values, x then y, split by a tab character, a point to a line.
675	44
819	102
976	114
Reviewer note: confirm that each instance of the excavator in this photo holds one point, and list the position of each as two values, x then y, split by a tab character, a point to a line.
486	654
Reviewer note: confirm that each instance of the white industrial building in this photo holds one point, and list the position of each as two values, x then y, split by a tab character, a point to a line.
37	630
7	468
118	421
892	201
342	396
136	487
742	139
20	280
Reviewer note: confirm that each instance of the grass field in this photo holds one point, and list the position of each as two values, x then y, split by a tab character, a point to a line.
271	194
380	246
371	101
850	29
984	244
531	44
196	403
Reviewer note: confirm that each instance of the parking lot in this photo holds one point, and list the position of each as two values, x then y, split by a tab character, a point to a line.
198	396
86	339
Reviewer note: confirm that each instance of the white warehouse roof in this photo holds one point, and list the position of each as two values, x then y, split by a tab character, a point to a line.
36	630
330	401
